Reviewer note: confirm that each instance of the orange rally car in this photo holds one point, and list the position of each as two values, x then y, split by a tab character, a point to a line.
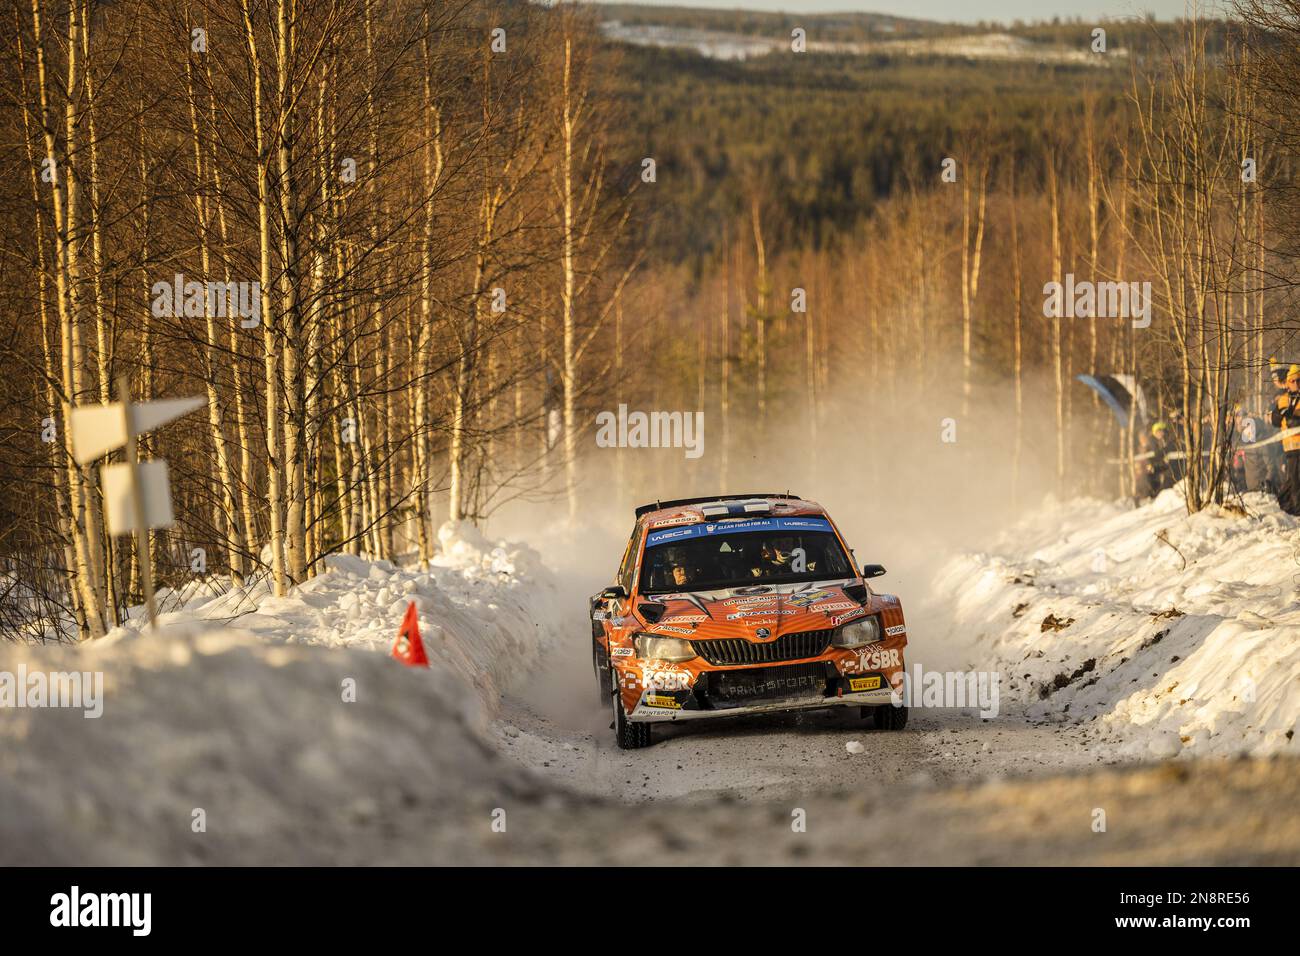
743	604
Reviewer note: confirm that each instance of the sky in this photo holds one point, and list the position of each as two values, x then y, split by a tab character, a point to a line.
962	11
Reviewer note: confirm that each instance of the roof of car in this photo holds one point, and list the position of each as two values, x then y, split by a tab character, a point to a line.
691	510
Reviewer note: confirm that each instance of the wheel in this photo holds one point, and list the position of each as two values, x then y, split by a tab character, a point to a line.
604	673
889	717
630	736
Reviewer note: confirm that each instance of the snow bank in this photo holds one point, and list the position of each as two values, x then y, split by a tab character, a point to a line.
282	722
215	745
1171	634
487	609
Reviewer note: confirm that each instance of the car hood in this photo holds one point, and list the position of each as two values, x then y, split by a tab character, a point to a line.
758	612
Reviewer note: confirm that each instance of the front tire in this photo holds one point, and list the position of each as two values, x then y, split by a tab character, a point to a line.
630	736
889	717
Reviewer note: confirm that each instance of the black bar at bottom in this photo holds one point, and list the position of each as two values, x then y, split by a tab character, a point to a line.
640	906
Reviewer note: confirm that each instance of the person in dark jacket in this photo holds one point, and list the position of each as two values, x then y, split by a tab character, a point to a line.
1286	415
1154	475
1276	459
1145	479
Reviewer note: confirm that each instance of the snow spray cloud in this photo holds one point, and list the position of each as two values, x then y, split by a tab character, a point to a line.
651	430
82	690
959	689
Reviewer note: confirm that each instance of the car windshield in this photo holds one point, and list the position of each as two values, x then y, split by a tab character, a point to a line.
706	557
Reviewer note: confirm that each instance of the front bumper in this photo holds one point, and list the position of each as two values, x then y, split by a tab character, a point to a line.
805	685
872	698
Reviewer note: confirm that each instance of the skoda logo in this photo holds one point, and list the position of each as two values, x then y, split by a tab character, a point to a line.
762	633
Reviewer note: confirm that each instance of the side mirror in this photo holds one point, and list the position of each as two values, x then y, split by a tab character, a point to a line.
872	570
617	593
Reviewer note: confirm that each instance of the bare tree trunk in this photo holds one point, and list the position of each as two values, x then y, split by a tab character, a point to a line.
60	474
67	281
1056	323
761	314
569	370
1017	361
724	386
295	544
216	428
970	276
101	544
270	349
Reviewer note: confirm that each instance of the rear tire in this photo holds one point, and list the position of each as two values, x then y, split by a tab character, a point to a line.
630	736
889	717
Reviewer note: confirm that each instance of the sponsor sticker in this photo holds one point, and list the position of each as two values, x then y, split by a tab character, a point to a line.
659	700
876	658
666	680
896	629
740	525
669	629
676	519
758	612
659	537
620	652
848	615
864	683
842	606
804	598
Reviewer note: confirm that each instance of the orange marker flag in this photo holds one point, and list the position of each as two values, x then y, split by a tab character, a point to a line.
408	648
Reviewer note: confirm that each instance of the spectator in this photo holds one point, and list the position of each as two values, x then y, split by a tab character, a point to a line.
1286	415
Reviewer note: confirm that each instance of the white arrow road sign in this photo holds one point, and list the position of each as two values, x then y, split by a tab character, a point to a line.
99	429
137	496
119	499
149	415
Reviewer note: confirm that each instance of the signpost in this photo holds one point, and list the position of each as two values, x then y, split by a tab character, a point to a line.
137	495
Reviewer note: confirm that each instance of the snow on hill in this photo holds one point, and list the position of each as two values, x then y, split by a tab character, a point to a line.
717	44
1169	634
725	45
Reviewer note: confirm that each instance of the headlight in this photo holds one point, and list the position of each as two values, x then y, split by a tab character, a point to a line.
655	648
865	631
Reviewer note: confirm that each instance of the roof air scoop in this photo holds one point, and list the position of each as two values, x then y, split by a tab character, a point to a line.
652	611
736	509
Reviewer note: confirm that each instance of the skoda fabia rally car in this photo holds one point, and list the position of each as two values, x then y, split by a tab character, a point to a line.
743	605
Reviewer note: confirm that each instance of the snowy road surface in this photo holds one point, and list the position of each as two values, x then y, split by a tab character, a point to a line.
556	728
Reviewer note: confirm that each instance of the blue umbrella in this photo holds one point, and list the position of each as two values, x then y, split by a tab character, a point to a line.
1112	393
